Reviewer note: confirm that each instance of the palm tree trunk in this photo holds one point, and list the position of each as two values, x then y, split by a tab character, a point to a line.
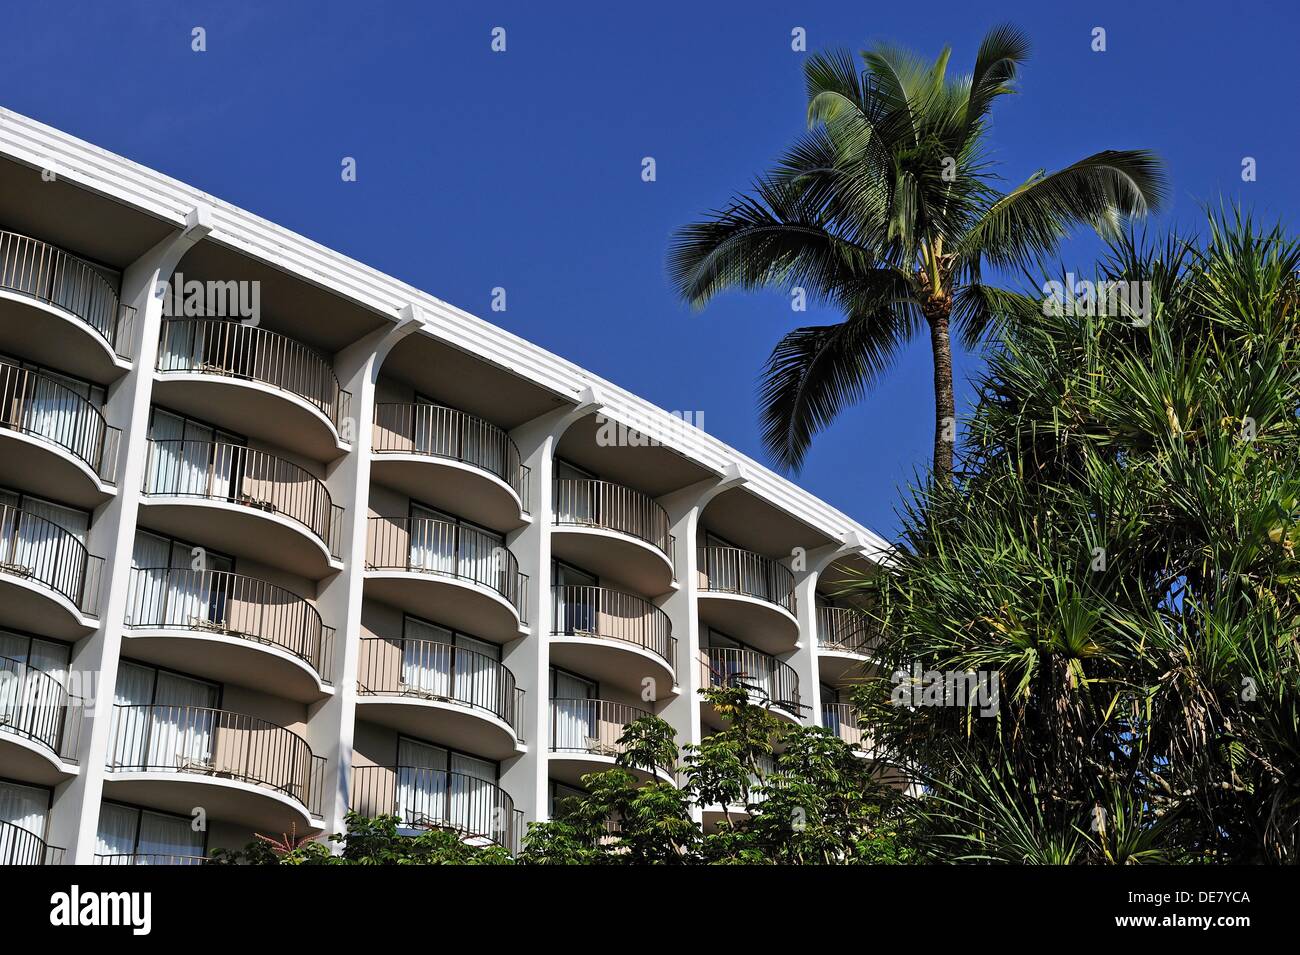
945	414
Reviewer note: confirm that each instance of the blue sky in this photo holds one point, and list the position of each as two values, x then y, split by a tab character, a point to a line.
522	169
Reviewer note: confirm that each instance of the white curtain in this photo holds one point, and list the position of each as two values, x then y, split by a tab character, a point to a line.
42	543
24	807
168	836
433	541
426	658
117	830
575	717
473	790
482	556
130	732
421	782
182	346
55	412
478	678
161	726
184	725
26	700
127	831
150	556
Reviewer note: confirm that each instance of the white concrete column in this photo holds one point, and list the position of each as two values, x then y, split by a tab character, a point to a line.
74	821
331	724
529	658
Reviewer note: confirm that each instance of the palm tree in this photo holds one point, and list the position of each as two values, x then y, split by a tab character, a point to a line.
887	209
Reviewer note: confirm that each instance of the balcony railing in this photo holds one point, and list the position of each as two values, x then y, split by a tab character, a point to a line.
430	670
32	548
847	630
169	598
35	404
149	858
242	475
612	615
842	720
48	274
200	741
234	349
425	545
19	846
590	726
765	677
441	432
613	507
35	706
730	570
436	799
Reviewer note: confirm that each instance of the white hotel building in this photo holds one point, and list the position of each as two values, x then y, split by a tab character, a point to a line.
366	552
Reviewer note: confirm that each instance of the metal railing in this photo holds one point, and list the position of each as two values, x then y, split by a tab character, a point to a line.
35	706
232	605
847	630
581	611
33	548
437	799
41	406
202	741
148	858
48	274
730	570
19	846
209	346
768	679
425	545
442	432
242	475
590	726
439	671
842	719
613	507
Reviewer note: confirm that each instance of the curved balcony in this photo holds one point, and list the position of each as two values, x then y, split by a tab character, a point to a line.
846	641
613	637
239	768
461	577
614	531
47	429
749	597
231	628
480	810
254	381
843	720
451	460
49	582
61	311
149	858
585	737
770	682
38	725
442	693
245	502
19	846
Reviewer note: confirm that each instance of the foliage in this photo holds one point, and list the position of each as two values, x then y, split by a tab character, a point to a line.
1120	548
888	210
820	805
368	841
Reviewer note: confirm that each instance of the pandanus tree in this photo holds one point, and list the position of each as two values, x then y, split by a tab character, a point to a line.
888	209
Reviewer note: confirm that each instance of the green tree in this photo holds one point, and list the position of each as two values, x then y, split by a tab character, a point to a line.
888	209
1121	552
